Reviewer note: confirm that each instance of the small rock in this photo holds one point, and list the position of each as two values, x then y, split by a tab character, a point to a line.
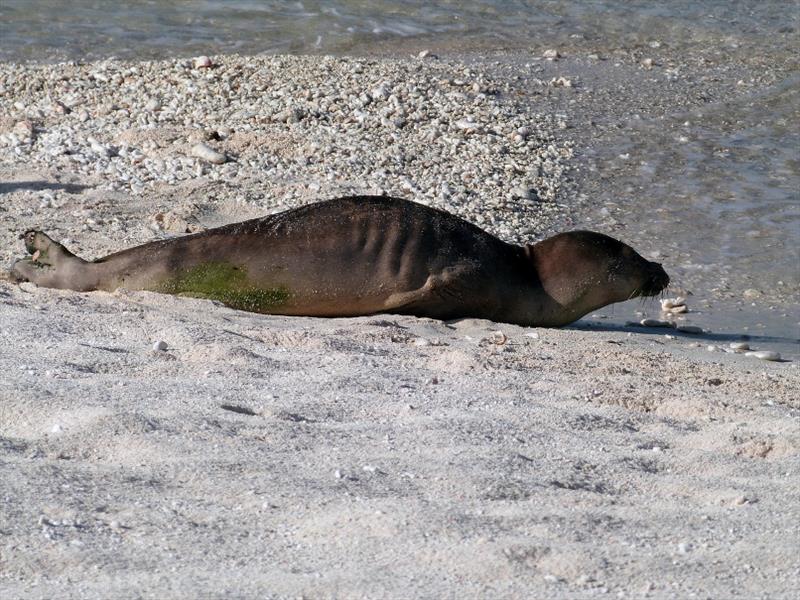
338	474
670	303
207	153
202	62
153	104
28	286
561	82
498	338
655	323
764	355
24	129
739	346
689	329
551	54
160	346
647	63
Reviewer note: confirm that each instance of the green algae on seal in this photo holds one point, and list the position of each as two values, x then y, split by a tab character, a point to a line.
227	284
364	255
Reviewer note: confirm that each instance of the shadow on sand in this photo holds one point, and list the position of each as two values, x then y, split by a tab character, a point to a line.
707	337
37	186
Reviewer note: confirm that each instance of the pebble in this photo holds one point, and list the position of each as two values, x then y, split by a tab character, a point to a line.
674	305
689	329
208	153
561	82
498	338
28	286
739	346
202	62
319	140
764	355
160	346
655	323
551	54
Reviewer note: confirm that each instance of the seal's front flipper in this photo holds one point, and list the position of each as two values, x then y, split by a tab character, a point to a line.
443	296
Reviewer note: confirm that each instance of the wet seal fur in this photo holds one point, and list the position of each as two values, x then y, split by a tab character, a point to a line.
364	255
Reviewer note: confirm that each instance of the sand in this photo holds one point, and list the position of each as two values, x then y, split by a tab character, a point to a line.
384	456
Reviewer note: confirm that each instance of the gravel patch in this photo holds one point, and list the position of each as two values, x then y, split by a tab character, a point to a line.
281	131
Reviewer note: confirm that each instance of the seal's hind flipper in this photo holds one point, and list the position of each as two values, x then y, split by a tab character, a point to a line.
52	265
45	250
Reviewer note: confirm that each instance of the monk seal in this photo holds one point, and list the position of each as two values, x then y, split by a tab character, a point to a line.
364	255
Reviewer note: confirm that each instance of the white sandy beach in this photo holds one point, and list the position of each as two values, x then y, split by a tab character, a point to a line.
374	457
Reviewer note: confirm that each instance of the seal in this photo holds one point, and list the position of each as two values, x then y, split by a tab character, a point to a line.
364	255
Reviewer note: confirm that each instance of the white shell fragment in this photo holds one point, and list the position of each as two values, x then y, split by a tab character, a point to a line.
160	346
202	62
498	337
764	355
674	305
207	153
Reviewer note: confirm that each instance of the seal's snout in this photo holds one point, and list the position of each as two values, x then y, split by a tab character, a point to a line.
657	280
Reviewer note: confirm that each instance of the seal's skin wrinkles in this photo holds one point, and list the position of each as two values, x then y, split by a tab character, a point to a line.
364	255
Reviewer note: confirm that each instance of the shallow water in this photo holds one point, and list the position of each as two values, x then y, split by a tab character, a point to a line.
47	29
717	187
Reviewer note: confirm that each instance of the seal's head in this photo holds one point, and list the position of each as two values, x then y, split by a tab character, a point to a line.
583	271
